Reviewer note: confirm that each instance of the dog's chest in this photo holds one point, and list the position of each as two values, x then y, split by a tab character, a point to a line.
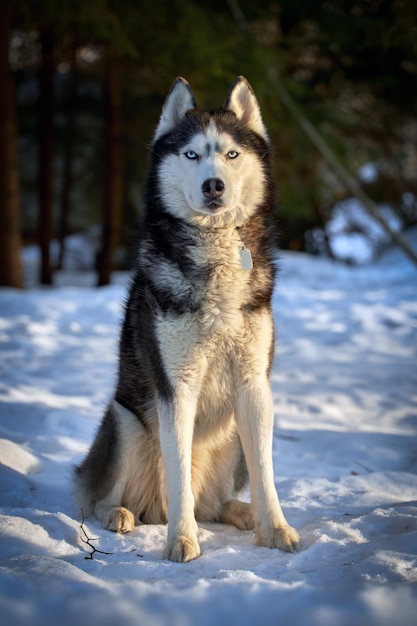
222	301
208	318
207	294
224	292
205	280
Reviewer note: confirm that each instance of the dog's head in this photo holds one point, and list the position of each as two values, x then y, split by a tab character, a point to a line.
211	164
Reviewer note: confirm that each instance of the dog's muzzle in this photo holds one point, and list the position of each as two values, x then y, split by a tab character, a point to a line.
213	189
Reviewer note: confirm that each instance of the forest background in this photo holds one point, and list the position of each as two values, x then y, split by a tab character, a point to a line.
82	83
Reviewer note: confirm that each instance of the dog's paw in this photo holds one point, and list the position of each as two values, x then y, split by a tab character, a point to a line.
120	520
237	513
282	537
182	549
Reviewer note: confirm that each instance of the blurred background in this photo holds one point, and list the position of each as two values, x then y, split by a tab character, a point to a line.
83	81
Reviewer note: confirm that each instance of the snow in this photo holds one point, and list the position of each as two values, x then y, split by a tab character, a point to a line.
368	172
345	453
354	235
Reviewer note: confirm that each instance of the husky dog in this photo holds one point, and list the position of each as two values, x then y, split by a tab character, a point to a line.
193	411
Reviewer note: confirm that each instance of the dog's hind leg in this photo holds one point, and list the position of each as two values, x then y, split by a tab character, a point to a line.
112	517
102	478
238	514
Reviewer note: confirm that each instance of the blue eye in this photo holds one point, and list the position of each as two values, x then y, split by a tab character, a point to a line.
190	154
232	154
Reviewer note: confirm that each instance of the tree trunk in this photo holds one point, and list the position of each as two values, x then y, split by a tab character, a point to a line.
69	142
113	175
10	234
45	121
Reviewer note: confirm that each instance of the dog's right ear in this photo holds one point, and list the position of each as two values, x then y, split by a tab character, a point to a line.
179	100
242	101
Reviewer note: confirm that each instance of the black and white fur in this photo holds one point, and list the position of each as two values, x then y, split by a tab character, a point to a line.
193	406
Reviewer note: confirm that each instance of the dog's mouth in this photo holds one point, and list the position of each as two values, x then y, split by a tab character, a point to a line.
214	206
210	206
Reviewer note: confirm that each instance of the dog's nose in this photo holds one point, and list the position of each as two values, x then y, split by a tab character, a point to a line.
213	187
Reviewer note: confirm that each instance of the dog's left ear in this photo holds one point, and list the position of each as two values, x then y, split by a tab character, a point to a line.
242	101
179	100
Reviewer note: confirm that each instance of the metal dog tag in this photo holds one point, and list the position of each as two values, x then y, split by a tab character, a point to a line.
246	262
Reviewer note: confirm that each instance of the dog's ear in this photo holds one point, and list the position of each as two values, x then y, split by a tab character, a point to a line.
242	101
179	100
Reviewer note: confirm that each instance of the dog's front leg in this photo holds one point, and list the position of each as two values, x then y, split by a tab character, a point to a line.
176	425
255	423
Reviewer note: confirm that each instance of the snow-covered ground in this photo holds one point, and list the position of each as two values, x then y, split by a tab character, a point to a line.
345	451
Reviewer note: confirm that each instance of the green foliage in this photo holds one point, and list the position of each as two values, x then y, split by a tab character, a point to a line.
350	66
